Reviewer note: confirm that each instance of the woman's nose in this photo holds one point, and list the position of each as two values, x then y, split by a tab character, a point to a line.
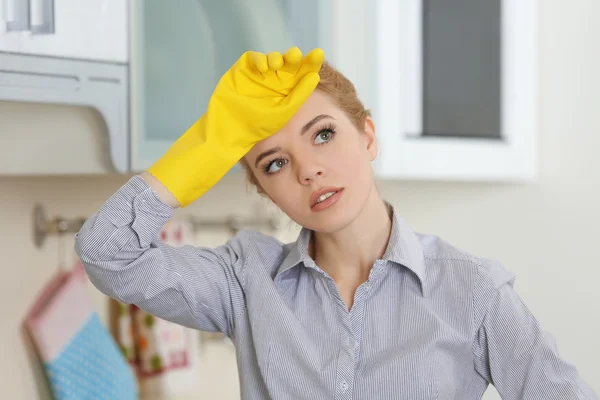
309	170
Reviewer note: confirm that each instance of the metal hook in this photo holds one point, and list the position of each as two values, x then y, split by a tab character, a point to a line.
42	227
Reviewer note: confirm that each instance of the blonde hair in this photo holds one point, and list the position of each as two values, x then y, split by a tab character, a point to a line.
343	93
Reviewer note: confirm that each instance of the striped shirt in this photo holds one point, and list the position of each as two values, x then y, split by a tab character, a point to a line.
431	321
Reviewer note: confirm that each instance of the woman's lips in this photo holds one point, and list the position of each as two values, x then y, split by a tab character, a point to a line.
328	202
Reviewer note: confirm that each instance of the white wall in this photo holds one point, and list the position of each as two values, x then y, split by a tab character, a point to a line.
546	233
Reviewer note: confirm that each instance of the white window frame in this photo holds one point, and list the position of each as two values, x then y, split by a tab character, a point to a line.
399	92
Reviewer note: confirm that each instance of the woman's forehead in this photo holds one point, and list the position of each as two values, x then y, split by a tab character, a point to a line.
318	103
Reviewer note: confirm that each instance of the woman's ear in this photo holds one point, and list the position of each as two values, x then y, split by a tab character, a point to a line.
370	138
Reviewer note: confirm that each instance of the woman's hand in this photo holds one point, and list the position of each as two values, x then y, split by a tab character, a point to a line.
254	99
263	91
281	73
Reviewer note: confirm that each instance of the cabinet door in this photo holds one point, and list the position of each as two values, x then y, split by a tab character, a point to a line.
457	98
12	20
80	29
180	50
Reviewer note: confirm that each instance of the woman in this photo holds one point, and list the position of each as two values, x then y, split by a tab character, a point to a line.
359	307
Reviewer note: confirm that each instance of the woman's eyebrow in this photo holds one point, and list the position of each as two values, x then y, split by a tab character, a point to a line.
266	154
313	121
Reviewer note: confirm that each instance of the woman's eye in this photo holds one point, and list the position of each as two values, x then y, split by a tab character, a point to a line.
324	136
276	165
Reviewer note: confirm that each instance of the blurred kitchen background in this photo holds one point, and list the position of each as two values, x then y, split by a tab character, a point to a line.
488	117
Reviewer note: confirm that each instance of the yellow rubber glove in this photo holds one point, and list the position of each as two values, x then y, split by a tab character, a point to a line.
252	101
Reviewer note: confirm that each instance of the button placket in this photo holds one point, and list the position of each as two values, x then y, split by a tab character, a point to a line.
350	344
346	358
345	373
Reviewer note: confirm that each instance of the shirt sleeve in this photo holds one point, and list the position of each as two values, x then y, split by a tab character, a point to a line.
123	256
513	352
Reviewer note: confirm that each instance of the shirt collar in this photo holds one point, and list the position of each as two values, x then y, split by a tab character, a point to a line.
404	248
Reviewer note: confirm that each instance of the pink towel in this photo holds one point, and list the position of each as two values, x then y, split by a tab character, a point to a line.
80	357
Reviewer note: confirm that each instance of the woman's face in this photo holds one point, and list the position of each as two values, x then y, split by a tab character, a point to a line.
319	152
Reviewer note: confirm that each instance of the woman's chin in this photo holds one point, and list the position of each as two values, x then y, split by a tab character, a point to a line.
330	223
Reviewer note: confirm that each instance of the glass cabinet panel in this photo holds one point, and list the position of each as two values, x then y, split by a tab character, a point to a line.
457	95
179	50
462	46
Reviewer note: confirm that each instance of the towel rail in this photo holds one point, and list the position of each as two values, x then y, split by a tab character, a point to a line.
58	225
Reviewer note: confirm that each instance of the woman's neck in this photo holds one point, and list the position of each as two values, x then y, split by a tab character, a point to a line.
349	254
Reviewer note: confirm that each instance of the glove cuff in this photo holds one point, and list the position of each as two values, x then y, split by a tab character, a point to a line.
191	173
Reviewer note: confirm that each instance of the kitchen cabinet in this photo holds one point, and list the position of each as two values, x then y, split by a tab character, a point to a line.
452	84
456	89
74	29
80	29
66	53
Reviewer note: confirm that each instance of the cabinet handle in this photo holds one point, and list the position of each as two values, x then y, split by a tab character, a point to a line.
7	11
42	16
17	15
4	17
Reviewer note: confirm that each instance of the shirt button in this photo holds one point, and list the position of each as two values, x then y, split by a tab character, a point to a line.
344	386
